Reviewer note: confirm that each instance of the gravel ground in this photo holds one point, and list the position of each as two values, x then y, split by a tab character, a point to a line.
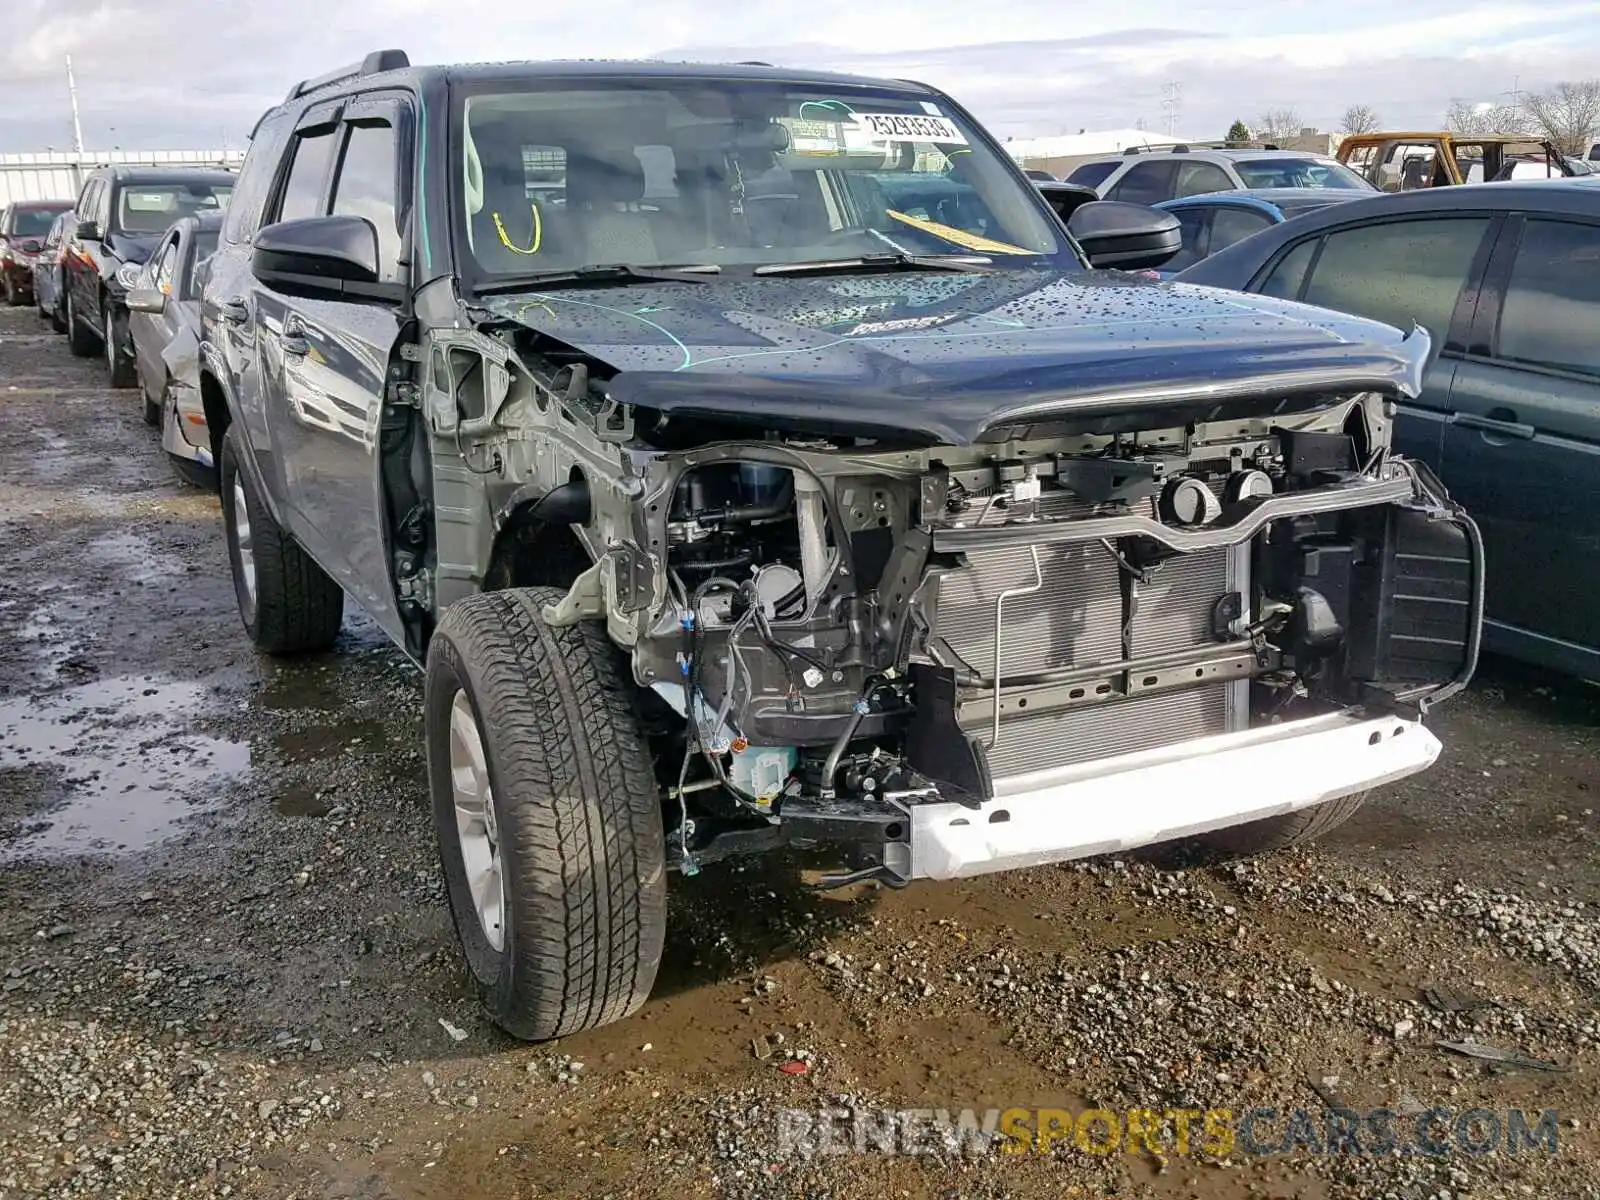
226	968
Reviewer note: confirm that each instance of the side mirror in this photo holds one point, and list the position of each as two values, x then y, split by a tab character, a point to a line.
146	300
86	231
1065	198
1125	236
316	255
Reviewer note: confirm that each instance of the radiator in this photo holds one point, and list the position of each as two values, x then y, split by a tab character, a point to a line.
1076	619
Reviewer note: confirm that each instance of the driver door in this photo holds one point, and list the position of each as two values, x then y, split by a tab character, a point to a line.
325	362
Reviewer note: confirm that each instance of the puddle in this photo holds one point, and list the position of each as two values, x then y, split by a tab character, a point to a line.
126	768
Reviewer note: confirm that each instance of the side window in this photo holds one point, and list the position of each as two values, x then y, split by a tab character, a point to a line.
1197	177
1234	225
166	266
1145	183
1285	279
89	200
303	191
1548	318
1194	224
1360	160
1406	166
366	187
1398	272
255	181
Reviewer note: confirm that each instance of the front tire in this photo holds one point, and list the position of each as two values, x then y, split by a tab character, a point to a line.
288	604
81	340
547	813
121	370
152	408
13	293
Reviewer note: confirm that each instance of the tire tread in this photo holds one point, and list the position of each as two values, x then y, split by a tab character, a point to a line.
555	707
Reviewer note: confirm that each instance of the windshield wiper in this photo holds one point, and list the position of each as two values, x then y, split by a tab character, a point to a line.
601	274
881	262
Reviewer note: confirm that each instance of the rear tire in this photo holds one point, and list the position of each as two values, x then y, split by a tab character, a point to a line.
561	827
288	604
1258	837
81	340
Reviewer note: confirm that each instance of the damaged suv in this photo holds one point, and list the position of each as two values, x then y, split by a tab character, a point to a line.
754	458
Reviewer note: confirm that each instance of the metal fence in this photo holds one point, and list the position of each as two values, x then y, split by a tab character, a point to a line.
58	175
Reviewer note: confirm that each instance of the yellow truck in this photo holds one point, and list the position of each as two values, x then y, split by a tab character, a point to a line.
1401	162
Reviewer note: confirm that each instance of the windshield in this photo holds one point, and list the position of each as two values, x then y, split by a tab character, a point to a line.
152	207
33	222
733	175
1299	173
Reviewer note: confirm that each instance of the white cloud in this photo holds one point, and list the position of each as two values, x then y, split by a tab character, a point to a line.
176	72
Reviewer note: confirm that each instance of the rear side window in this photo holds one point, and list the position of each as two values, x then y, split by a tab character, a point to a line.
1399	272
303	192
1289	276
1145	183
366	187
1092	174
1548	319
1197	177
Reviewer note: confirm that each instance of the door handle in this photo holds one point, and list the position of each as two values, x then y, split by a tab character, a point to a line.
1505	429
295	345
235	312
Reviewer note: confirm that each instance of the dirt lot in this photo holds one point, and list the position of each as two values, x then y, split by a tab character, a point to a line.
228	970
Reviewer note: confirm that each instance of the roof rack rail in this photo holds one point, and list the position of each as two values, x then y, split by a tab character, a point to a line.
372	64
753	62
1133	149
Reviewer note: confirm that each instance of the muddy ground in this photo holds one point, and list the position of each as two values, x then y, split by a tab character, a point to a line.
226	967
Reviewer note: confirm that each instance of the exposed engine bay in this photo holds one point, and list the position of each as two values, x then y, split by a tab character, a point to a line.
830	633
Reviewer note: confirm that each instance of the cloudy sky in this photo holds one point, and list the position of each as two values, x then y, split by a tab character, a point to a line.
181	74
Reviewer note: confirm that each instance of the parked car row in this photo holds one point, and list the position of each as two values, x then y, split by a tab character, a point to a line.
116	271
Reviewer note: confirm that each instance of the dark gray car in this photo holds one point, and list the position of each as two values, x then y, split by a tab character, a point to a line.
164	323
1506	277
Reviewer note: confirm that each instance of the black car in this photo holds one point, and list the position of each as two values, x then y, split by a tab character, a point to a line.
1506	278
753	456
121	214
24	225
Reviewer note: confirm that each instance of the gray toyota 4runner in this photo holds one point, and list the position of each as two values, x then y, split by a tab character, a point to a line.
753	458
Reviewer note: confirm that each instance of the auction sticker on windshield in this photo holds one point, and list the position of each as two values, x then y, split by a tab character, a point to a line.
911	127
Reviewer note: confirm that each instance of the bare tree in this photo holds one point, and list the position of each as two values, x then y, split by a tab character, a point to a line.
1465	117
1568	114
1359	118
1278	124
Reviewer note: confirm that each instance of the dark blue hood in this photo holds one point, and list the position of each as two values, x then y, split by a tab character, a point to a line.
133	247
958	358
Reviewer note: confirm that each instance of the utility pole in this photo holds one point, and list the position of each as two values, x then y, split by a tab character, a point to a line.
1171	103
77	125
